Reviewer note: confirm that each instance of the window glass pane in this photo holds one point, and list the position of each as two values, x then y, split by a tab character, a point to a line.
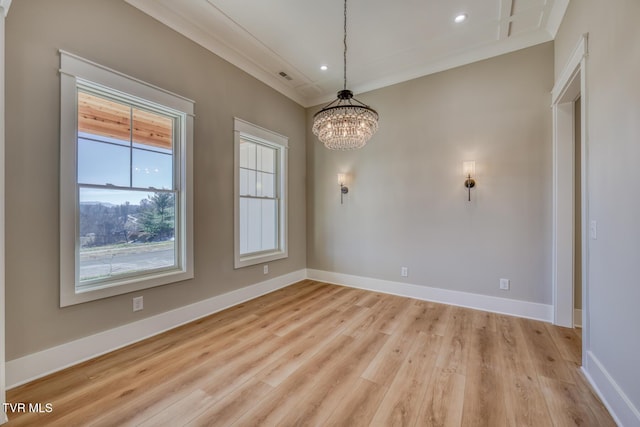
151	169
254	222
152	131
266	159
100	163
265	185
244	224
258	225
269	225
244	155
124	232
247	155
102	117
247	182
244	183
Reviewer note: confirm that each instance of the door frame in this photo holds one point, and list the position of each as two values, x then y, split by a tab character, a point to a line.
4	10
570	85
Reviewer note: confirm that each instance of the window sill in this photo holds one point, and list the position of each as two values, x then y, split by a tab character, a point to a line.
123	286
261	258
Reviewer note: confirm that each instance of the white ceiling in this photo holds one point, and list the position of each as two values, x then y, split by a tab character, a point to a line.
388	41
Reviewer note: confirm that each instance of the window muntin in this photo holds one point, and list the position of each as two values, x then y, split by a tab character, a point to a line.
130	159
260	182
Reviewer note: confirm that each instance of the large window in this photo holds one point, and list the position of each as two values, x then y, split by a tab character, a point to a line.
125	200
260	191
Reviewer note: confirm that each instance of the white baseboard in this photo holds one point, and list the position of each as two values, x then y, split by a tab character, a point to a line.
529	310
577	318
36	365
620	407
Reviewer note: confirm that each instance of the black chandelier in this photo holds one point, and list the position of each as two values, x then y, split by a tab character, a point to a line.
345	123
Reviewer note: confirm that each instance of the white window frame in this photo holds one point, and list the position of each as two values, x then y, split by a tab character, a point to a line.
245	130
75	72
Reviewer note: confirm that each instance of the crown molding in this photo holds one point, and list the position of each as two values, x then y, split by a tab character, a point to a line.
204	38
5	5
556	14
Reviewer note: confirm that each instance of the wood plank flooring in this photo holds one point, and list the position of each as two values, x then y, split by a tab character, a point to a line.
320	354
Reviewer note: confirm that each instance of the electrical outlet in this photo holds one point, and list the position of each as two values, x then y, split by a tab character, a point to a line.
504	284
593	229
404	272
138	303
265	269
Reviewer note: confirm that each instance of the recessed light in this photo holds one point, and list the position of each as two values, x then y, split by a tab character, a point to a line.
324	67
460	18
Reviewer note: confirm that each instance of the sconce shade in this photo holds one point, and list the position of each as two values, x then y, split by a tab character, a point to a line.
341	178
469	168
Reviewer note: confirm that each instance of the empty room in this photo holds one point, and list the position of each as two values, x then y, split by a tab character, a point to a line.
330	213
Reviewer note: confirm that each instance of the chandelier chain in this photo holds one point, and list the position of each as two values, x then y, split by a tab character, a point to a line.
345	44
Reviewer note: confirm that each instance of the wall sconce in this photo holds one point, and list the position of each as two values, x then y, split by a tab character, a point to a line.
343	188
469	171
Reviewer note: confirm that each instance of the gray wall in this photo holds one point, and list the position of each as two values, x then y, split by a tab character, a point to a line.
613	126
407	205
119	36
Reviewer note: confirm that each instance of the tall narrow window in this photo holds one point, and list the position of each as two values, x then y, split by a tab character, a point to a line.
126	189
261	207
125	204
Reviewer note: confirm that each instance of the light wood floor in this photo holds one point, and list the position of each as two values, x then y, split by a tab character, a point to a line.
319	354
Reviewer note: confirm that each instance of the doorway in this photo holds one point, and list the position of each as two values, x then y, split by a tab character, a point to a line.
570	213
577	209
